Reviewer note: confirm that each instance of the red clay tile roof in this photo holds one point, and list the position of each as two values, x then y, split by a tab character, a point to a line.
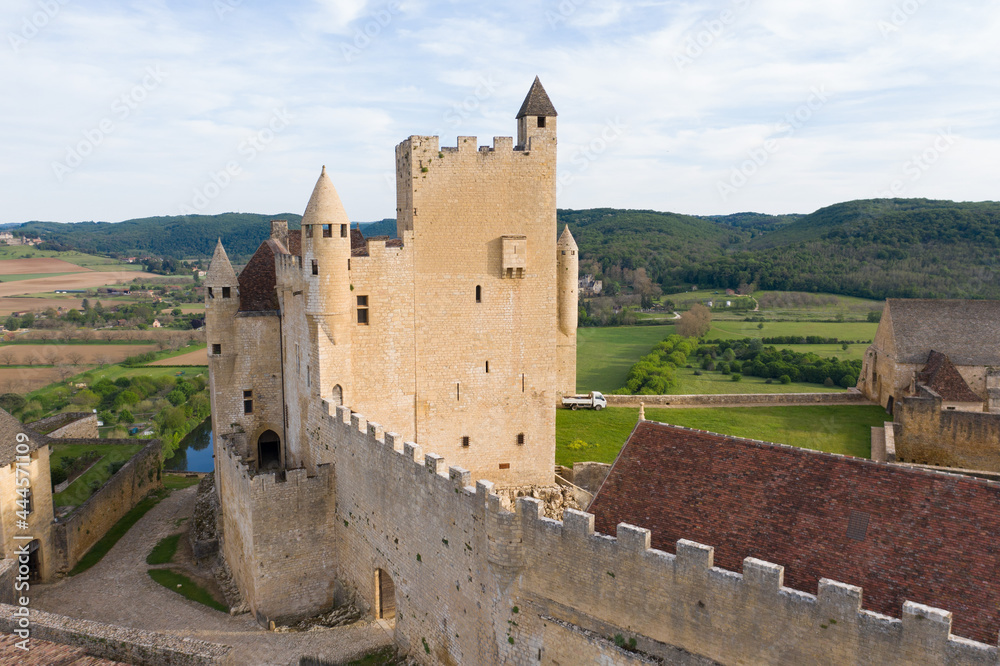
941	376
257	279
923	536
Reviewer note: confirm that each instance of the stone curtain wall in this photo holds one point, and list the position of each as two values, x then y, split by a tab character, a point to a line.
475	584
81	425
276	538
849	397
927	434
91	520
131	646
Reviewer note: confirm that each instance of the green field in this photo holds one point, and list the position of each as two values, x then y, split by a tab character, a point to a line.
181	584
834	429
72	257
604	355
729	330
29	276
715	382
78	491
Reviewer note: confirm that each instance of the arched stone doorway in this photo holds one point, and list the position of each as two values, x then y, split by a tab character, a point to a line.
337	396
268	451
385	596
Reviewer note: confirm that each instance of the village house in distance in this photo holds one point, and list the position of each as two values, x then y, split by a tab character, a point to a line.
377	402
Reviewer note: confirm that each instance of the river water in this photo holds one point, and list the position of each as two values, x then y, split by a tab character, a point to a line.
194	453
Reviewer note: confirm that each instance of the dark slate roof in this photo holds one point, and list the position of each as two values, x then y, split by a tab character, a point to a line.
10	428
359	248
922	536
941	376
966	330
295	242
537	103
257	279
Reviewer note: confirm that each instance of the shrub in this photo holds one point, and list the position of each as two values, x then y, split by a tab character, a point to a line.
577	445
847	381
828	382
737	377
724	368
785	379
176	397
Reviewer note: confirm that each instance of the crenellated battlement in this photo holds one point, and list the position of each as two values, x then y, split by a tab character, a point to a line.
623	568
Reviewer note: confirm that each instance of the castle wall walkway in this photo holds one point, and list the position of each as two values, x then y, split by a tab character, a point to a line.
118	591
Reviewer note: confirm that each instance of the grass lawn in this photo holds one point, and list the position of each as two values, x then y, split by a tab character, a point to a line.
834	429
107	542
604	355
728	330
181	584
715	382
78	491
179	481
163	552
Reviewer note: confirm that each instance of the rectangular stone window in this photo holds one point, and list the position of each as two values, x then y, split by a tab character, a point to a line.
248	402
541	121
465	441
363	310
504	465
211	294
343	231
227	292
520	439
327	231
309	231
515	256
487	367
315	267
216	349
479	293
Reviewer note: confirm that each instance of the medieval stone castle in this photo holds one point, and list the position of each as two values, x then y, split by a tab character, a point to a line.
370	397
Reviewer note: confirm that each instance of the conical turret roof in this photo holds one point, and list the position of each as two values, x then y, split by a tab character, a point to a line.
220	271
566	240
324	205
537	103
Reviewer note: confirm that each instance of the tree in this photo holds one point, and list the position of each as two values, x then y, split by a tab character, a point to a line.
74	357
12	323
695	322
28	319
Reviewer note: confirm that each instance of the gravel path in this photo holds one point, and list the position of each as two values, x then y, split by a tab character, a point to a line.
117	590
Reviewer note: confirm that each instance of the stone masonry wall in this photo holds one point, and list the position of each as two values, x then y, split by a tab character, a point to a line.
927	434
849	397
40	518
82	425
475	584
74	536
276	538
131	646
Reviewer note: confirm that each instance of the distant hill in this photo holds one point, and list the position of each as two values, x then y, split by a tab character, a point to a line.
181	237
874	248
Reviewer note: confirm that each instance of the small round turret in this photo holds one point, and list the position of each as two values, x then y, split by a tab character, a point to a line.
567	282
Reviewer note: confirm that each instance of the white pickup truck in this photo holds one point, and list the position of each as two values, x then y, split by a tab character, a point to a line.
592	400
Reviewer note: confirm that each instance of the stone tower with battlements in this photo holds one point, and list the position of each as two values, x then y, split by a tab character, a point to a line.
461	331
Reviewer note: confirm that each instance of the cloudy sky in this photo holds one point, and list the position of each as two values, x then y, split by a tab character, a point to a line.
120	109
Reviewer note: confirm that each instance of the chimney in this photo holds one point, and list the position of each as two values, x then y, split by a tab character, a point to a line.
279	231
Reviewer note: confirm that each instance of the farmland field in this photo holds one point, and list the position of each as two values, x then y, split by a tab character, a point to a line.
8	305
195	358
604	355
24	380
38	266
734	330
834	429
52	354
84	280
